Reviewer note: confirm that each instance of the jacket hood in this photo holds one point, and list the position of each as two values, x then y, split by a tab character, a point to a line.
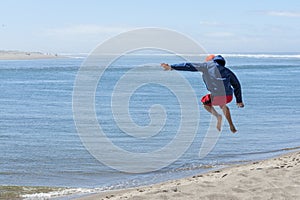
220	60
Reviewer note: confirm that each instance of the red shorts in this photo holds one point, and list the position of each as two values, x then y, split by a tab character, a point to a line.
216	100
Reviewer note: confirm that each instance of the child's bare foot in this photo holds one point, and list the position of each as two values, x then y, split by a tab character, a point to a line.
233	129
219	123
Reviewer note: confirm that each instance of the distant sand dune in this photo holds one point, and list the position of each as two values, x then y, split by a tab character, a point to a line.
20	55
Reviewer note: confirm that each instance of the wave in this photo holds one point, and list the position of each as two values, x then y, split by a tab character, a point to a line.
235	55
227	55
282	150
297	56
75	55
250	55
60	193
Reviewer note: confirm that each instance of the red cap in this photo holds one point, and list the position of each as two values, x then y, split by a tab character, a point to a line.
210	57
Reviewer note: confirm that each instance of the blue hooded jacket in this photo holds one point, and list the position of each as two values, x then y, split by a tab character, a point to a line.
219	80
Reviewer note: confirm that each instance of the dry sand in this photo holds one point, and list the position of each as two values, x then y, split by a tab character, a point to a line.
277	178
19	55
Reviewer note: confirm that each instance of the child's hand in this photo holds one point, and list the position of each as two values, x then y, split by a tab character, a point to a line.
166	66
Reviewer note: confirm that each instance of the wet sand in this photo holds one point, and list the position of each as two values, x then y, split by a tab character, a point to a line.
276	178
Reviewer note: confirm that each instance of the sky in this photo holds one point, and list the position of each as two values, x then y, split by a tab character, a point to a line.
73	26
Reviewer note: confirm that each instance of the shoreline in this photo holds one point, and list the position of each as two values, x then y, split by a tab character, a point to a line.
277	178
21	55
273	178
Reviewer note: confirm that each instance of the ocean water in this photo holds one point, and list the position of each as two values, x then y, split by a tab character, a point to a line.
40	146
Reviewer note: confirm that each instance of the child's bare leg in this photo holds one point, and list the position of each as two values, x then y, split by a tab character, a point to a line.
216	114
227	114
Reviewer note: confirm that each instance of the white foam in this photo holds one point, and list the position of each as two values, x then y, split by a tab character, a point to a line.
285	56
262	55
60	193
75	55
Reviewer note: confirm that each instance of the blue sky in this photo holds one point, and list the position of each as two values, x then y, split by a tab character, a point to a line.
71	26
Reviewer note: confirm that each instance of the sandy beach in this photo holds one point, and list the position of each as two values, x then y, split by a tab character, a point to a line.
20	55
276	178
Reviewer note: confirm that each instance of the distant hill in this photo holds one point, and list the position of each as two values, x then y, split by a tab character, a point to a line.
21	55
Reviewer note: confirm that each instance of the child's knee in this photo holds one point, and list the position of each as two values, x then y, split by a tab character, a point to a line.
206	106
223	107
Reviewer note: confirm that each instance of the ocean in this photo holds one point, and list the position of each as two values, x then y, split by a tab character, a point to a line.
40	145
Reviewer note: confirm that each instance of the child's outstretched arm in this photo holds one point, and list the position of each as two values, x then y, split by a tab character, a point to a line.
193	67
